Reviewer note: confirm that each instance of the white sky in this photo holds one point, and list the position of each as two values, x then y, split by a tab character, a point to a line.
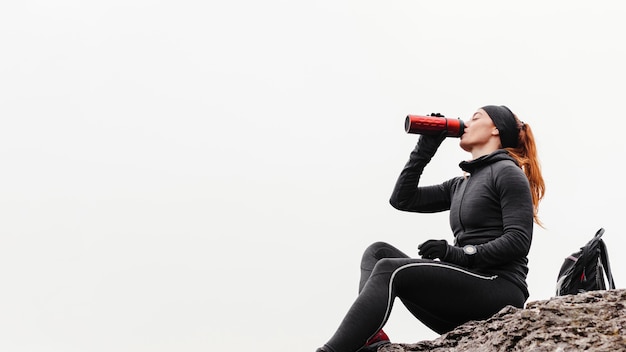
193	175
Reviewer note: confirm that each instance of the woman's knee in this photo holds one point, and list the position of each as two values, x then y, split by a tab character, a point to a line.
387	265
380	250
376	247
375	252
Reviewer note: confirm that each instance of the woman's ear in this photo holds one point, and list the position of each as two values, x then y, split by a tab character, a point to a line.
495	132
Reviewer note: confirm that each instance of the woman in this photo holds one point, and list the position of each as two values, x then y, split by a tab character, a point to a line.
492	210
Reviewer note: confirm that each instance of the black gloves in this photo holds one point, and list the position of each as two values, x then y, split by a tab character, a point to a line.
433	249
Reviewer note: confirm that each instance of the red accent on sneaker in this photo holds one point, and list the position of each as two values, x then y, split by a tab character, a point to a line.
379	337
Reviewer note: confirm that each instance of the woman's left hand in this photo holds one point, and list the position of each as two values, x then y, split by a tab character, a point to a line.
433	249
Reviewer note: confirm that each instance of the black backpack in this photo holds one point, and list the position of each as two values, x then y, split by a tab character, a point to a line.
585	270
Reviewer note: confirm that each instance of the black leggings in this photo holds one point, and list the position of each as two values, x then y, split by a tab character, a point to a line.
441	295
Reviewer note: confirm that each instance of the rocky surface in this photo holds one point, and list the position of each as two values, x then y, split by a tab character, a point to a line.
591	321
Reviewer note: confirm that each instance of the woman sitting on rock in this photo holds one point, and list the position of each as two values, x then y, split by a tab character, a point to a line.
492	210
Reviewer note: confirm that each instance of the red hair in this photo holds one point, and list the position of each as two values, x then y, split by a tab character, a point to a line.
526	156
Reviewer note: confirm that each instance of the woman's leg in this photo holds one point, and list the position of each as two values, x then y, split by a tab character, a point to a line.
351	337
371	256
441	295
444	296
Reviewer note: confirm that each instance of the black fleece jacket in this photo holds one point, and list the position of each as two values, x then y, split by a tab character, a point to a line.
490	208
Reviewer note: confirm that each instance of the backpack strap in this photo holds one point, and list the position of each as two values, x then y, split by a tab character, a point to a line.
604	257
598	235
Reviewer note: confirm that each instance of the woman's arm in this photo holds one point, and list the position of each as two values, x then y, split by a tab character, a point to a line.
407	196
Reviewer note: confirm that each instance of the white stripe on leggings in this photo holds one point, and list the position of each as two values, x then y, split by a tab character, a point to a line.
388	310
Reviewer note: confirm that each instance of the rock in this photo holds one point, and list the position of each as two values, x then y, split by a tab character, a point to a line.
590	321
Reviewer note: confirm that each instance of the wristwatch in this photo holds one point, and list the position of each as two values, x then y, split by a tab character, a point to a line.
469	251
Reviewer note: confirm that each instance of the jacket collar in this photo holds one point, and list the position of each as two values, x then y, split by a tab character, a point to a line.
478	163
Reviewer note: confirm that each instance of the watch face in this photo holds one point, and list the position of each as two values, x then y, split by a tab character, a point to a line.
469	249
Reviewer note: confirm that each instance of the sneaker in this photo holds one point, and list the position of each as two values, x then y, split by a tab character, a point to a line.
376	341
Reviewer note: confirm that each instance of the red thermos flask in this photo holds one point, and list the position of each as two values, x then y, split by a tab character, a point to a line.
433	125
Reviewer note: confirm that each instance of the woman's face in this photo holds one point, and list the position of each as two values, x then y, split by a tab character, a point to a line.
479	131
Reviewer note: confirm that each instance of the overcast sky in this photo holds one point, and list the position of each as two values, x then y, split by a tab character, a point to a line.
194	176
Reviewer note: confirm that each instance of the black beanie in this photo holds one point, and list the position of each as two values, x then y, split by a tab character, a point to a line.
506	124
